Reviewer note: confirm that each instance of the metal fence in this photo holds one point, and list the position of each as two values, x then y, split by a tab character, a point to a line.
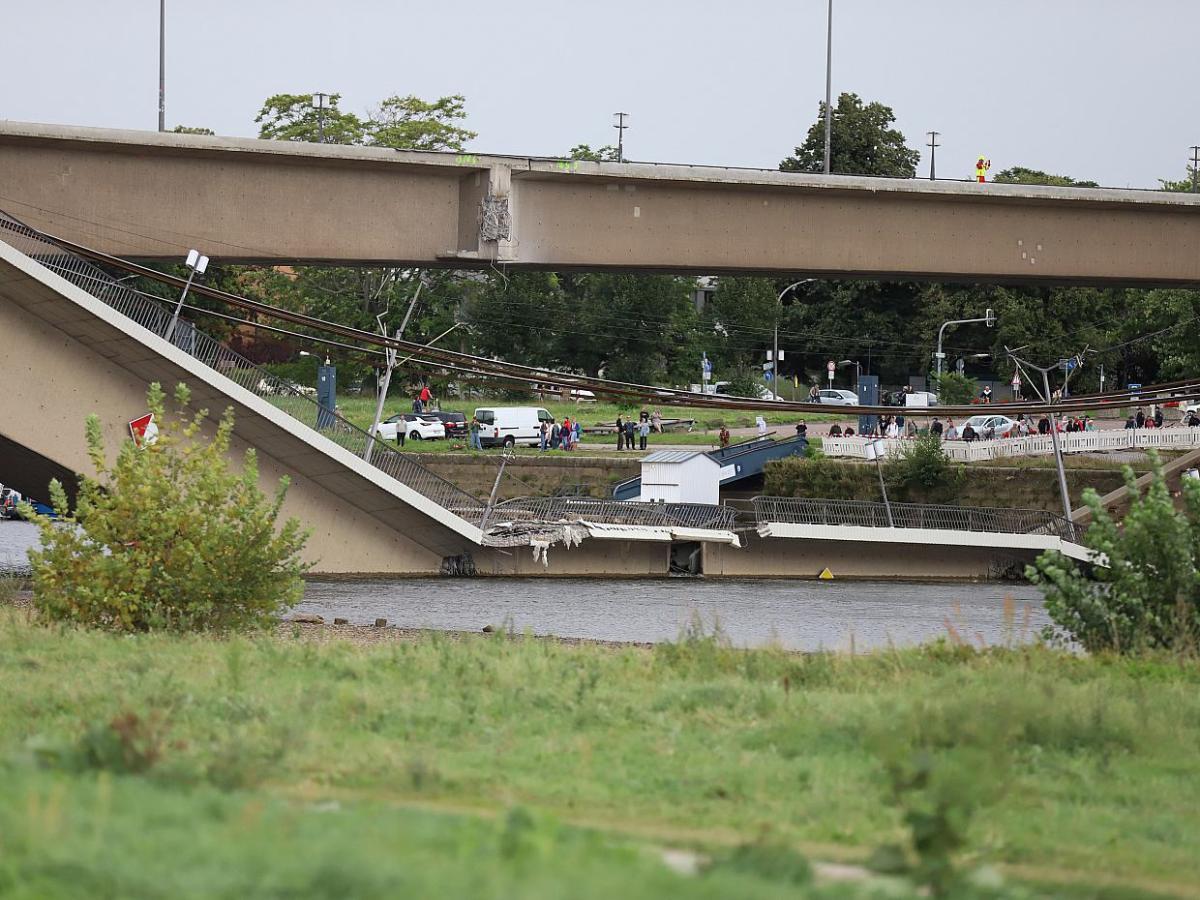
1173	438
613	512
995	520
154	316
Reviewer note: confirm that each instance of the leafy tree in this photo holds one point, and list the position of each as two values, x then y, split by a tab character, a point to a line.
743	314
291	117
168	537
520	318
1146	595
863	142
1022	175
607	153
956	390
410	123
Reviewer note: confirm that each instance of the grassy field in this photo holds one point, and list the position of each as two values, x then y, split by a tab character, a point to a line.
498	766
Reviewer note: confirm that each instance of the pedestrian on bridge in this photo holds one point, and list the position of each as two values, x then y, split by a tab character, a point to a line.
982	164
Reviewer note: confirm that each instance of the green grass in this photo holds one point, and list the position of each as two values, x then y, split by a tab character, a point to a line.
496	766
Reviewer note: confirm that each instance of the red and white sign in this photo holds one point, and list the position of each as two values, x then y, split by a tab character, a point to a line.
1016	382
831	366
143	430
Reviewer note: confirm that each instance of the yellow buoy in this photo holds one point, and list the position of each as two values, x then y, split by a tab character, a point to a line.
826	575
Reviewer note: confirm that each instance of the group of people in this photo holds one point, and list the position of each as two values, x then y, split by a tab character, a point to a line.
566	436
1190	419
635	435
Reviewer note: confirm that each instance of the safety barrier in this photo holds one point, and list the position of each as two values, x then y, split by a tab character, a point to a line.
995	520
1172	438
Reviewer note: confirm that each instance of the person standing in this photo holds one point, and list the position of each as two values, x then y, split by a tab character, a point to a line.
576	434
936	428
630	429
426	397
1141	419
476	444
643	433
566	433
543	437
1158	417
620	434
723	436
986	394
801	429
982	164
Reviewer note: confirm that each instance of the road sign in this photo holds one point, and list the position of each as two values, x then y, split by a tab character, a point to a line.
1016	381
831	366
143	430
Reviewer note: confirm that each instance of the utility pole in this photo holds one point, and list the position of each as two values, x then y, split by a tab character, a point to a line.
1058	460
1195	166
829	88
162	65
318	102
390	362
621	126
933	145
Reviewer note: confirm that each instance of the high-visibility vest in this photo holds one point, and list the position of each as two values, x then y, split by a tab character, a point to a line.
982	164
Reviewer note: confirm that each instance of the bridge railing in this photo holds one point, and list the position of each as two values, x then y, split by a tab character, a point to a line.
995	520
613	512
152	315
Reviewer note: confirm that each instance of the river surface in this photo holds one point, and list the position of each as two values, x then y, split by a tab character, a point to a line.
799	615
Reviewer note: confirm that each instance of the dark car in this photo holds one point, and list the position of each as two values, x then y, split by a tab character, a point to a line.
456	424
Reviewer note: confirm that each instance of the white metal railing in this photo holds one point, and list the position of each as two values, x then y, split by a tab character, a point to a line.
1176	438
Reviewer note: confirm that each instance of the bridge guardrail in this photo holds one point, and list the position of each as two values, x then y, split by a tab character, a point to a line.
615	512
154	317
995	520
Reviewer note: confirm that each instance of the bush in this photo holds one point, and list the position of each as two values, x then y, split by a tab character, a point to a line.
168	537
956	390
1147	596
924	470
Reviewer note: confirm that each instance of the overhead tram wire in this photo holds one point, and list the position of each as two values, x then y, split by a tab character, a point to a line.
662	396
666	397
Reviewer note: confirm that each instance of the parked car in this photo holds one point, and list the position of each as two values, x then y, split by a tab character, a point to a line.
989	427
414	426
838	397
721	389
455	424
510	425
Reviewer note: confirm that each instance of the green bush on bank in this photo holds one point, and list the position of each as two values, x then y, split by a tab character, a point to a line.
168	537
1146	593
921	474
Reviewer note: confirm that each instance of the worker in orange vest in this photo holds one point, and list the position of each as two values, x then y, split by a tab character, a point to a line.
982	164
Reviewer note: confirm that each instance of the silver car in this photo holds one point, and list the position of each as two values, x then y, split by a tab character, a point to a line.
838	397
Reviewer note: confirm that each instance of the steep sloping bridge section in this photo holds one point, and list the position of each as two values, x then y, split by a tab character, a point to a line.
69	353
150	195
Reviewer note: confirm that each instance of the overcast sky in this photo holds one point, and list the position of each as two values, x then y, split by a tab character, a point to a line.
1097	89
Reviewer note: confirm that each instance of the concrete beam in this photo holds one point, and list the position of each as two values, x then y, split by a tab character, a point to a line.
151	195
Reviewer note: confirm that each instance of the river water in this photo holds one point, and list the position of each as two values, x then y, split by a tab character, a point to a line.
799	615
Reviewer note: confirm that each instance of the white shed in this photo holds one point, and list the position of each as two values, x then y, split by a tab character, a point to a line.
680	476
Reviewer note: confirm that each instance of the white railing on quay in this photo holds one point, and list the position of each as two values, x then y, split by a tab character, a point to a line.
1173	438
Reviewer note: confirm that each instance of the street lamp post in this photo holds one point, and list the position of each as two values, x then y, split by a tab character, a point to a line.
318	102
196	265
828	87
775	351
162	65
933	145
989	318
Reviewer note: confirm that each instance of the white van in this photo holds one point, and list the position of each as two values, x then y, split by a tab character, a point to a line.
509	425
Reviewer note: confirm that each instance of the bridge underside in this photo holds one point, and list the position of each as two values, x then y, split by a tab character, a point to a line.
149	195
